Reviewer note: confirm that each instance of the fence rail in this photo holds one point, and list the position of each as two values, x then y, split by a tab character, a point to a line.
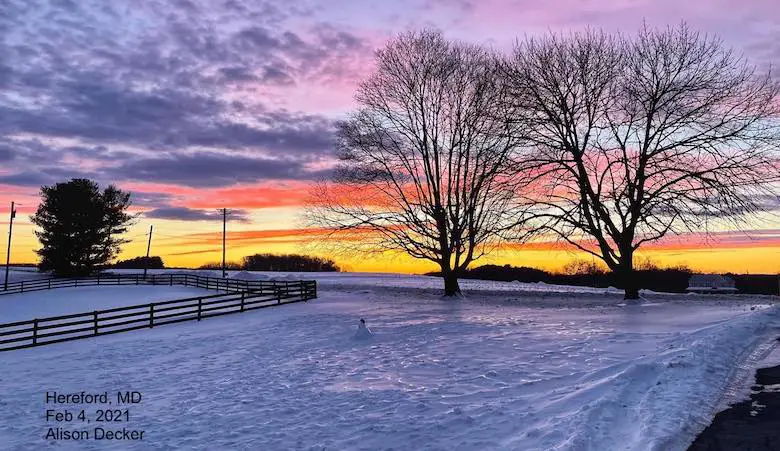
239	296
192	280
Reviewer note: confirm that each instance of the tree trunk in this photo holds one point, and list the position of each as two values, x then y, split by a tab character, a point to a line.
451	286
632	287
628	277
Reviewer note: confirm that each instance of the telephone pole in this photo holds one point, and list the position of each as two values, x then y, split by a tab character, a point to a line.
224	231
8	254
148	247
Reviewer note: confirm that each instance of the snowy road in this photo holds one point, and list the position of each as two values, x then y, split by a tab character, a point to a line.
438	375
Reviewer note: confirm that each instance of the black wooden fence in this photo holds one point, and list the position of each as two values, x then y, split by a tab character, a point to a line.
192	280
239	296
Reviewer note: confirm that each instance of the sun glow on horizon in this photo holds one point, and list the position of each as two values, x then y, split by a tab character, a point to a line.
192	244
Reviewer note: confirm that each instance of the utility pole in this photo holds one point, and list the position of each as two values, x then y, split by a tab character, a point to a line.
8	254
148	247
224	230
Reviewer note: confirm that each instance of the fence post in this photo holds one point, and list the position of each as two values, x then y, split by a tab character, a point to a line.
200	306
22	286
242	300
50	284
151	315
136	279
95	314
35	332
171	279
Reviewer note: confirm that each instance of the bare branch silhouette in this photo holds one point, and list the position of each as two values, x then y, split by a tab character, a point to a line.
423	161
637	138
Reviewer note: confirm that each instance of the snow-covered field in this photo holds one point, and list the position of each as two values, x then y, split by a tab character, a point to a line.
63	301
506	367
17	273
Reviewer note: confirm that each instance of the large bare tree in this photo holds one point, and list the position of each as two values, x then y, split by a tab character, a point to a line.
423	159
639	137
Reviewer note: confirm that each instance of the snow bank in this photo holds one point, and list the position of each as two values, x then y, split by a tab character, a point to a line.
247	275
661	401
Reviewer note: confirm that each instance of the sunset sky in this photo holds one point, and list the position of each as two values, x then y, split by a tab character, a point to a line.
195	105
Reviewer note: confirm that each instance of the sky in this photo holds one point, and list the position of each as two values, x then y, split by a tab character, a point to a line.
196	105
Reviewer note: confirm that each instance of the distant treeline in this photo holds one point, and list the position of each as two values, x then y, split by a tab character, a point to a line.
671	280
283	262
140	263
757	283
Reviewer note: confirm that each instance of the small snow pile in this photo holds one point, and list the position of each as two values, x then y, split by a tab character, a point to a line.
363	332
188	272
246	275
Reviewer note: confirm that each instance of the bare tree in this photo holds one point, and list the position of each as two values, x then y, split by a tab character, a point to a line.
637	138
423	159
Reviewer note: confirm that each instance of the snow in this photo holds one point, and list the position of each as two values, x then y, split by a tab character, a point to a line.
507	367
17	273
247	275
63	301
363	332
341	280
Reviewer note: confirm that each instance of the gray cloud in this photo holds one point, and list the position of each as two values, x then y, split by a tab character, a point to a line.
29	179
236	74
7	153
145	199
210	169
189	214
77	71
45	176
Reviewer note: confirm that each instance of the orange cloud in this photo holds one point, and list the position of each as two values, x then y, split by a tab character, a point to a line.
255	196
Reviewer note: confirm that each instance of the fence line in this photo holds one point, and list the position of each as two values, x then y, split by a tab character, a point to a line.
210	283
239	296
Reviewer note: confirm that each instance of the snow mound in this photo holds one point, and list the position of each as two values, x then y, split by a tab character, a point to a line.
246	275
363	332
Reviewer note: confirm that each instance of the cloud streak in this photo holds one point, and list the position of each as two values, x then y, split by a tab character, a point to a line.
189	214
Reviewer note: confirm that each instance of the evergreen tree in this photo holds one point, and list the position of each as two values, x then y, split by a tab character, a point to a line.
80	227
